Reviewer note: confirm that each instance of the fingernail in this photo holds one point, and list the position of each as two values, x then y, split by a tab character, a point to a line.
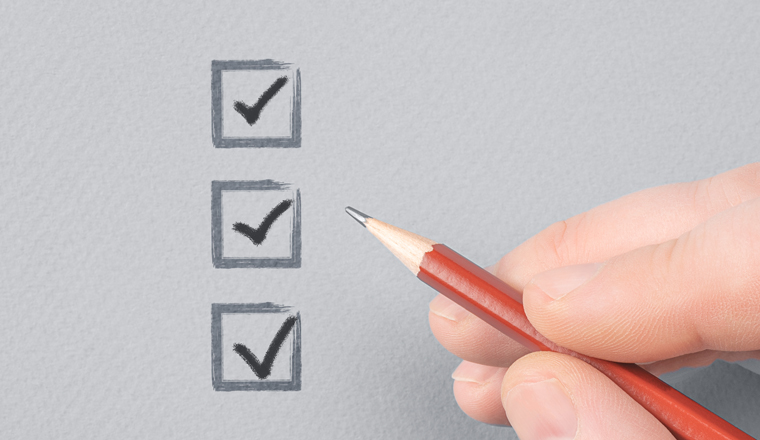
446	308
476	373
560	281
541	411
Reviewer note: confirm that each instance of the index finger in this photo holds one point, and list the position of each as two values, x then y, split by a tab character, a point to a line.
646	217
639	219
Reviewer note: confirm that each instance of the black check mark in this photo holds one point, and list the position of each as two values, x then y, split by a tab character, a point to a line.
263	369
251	113
258	235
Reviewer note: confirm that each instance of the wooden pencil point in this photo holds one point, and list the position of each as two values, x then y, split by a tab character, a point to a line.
408	247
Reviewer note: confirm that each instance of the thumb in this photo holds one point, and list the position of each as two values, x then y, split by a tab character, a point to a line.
553	396
700	291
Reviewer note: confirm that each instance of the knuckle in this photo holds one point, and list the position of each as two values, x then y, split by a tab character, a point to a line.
549	244
728	189
746	183
736	186
559	242
555	246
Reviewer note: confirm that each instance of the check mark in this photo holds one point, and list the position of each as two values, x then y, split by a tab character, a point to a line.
263	369
251	113
258	235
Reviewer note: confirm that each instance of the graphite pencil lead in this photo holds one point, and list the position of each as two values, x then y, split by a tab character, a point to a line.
358	216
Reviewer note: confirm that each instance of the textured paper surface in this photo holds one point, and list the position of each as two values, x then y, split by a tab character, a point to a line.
473	125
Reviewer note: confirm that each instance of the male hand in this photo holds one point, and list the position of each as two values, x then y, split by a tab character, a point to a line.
666	277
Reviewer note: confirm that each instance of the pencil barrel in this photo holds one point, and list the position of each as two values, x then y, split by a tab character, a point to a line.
685	418
499	305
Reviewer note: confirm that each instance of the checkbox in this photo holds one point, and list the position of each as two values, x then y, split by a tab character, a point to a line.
255	224
255	347
255	104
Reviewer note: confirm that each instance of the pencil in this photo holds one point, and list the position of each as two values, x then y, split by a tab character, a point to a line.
499	305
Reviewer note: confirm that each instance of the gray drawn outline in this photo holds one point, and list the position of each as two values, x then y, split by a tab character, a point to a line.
217	379
294	141
217	246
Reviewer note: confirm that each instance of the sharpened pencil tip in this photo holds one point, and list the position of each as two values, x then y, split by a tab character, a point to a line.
358	216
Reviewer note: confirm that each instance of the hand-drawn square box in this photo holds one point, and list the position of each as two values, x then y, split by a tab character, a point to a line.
253	325
234	202
251	83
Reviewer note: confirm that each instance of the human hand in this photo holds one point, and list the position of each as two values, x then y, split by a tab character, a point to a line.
666	277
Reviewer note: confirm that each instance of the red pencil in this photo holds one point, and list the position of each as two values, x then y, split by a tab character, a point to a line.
496	303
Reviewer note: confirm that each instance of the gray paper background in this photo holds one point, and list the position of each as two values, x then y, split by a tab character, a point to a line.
475	124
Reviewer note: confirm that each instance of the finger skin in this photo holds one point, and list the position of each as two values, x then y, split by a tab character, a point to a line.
698	359
456	332
602	409
647	217
477	391
698	292
477	388
639	219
